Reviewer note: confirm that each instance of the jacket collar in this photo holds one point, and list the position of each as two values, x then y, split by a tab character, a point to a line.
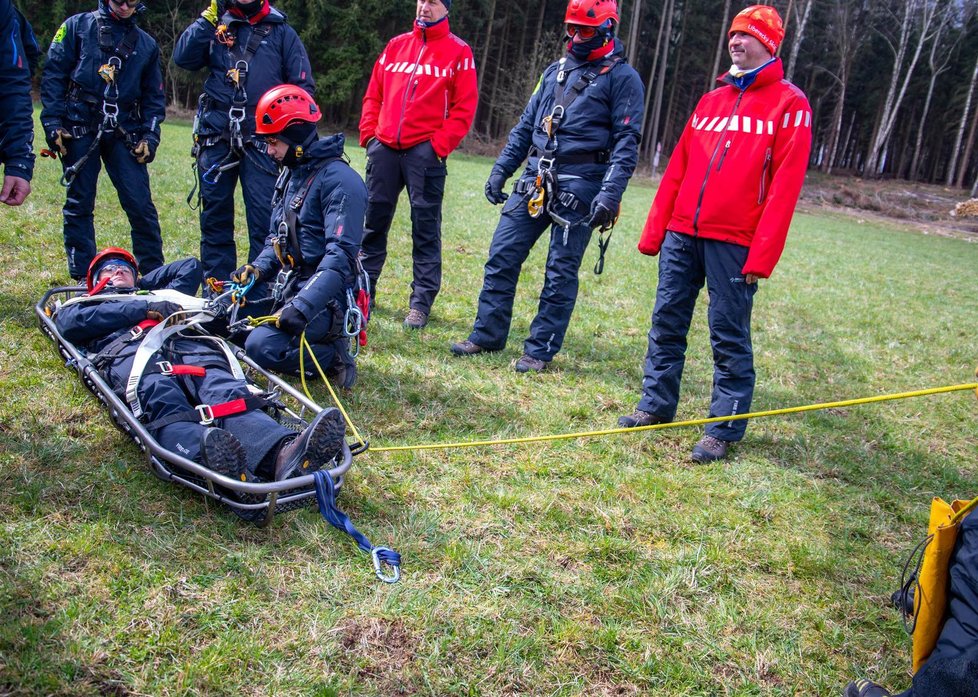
432	33
769	74
323	149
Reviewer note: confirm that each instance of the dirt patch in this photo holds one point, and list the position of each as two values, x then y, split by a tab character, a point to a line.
925	207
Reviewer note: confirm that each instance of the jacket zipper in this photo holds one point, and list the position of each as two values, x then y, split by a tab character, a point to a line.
706	177
726	148
408	93
767	163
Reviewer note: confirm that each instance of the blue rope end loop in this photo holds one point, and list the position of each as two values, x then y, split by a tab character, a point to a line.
326	498
386	555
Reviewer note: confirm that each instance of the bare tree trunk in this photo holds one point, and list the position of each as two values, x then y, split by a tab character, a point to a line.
633	32
936	68
721	45
956	150
660	81
897	91
967	152
485	48
667	10
796	41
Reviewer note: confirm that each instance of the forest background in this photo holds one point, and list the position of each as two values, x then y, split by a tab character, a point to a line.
891	82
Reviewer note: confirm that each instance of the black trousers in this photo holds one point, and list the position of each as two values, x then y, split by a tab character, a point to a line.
423	173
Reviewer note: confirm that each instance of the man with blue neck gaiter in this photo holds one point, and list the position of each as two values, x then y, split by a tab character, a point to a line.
419	105
579	136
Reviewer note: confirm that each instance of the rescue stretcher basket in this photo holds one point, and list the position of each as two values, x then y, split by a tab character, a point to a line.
256	502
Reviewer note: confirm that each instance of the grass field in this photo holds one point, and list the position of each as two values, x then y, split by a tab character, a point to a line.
610	566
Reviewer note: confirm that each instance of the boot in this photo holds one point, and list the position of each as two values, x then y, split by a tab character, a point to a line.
221	452
313	448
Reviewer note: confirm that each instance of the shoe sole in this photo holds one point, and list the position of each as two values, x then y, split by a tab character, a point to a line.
326	437
224	451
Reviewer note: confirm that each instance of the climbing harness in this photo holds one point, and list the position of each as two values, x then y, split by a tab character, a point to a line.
109	72
237	78
545	189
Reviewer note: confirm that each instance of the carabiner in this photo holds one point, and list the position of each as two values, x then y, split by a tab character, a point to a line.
395	576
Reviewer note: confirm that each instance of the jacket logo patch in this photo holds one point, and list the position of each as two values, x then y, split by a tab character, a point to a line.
60	35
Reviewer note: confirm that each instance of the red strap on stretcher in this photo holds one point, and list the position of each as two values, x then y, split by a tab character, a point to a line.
194	370
209	412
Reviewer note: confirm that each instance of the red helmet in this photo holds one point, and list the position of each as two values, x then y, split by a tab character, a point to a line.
591	13
105	255
284	105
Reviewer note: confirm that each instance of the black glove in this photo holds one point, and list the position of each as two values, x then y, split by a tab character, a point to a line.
494	188
246	274
57	139
291	321
604	211
161	309
145	150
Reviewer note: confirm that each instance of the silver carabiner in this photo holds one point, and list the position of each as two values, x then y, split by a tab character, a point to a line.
394	577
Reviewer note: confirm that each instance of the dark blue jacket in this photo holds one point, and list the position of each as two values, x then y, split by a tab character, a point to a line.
606	116
72	91
330	225
93	326
280	58
16	108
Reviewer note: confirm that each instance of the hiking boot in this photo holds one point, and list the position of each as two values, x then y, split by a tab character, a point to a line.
313	448
223	453
709	449
416	319
640	418
467	348
529	364
865	688
343	372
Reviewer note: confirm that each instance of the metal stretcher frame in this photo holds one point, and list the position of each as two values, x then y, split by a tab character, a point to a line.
263	499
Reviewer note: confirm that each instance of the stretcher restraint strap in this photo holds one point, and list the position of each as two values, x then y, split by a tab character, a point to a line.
206	413
326	498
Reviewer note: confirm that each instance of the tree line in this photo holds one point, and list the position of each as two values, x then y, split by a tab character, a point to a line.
892	83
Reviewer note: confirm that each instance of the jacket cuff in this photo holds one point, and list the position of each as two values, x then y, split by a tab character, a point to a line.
19	168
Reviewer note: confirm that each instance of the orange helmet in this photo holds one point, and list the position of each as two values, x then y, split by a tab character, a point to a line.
591	13
106	255
284	105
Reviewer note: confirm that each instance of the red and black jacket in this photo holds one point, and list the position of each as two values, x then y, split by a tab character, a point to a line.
737	171
423	87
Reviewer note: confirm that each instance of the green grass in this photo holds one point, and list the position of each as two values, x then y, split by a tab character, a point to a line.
602	567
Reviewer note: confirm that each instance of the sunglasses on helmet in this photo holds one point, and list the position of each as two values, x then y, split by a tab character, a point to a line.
580	30
271	140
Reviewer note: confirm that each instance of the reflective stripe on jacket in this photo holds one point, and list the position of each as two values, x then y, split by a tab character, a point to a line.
423	87
737	170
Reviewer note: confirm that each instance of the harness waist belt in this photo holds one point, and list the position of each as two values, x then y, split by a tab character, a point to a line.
598	157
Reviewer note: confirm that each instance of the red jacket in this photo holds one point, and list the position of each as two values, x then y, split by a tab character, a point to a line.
737	171
423	87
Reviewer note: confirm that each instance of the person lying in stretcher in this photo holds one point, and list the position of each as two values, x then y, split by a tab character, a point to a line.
185	385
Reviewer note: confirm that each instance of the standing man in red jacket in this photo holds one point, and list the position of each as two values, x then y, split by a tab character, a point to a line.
721	214
419	105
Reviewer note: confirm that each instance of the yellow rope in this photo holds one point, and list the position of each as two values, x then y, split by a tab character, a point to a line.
682	424
304	344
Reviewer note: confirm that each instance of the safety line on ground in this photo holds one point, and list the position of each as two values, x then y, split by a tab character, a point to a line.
306	346
681	424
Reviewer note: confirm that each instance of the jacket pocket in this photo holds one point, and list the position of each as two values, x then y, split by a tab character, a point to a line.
762	189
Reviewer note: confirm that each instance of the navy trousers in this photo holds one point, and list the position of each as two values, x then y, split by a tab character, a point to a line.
131	182
515	236
423	173
685	263
273	349
257	173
